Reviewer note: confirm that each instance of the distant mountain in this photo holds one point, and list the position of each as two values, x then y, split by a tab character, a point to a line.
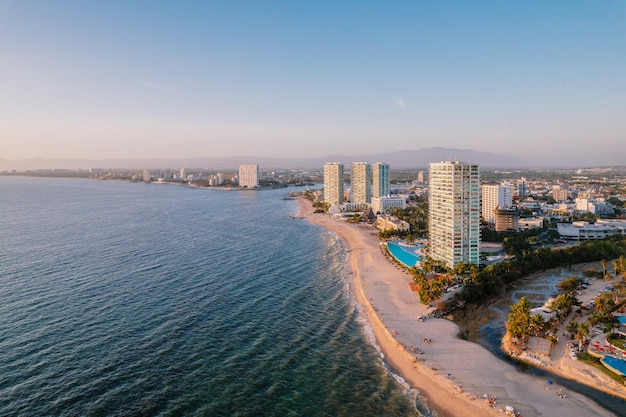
401	159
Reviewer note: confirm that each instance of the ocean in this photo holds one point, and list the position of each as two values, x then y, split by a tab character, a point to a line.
133	299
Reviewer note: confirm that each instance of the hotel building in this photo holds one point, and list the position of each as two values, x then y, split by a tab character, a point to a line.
249	176
387	203
380	179
495	197
361	181
454	212
333	183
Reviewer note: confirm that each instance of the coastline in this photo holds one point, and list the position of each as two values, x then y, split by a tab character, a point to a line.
452	374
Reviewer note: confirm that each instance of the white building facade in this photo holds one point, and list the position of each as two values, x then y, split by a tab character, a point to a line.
454	212
333	183
249	176
361	180
493	198
386	203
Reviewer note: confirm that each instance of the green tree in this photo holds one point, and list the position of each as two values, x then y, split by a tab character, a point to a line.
581	334
518	320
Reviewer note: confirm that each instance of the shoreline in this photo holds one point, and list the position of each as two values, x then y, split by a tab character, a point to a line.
452	374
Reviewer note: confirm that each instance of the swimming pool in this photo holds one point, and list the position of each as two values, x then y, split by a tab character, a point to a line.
406	255
614	364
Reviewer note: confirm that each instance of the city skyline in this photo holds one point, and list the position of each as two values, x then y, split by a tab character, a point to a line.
122	80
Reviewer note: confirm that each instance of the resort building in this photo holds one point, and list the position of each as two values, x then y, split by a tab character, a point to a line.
333	183
384	223
380	179
454	212
249	176
384	204
361	180
495	197
588	231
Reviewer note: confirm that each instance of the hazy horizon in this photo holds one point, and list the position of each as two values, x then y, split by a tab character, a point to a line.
146	80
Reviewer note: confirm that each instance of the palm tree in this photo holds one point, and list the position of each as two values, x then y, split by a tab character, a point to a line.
604	302
518	323
581	335
536	324
603	264
563	304
572	327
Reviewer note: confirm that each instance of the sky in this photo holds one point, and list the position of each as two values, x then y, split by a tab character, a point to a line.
541	80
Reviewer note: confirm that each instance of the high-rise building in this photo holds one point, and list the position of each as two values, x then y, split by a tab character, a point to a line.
147	175
494	197
361	182
333	183
420	176
380	179
249	176
454	212
522	187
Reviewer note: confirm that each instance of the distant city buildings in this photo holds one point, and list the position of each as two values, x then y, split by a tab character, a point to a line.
249	176
333	183
361	183
559	194
454	212
380	179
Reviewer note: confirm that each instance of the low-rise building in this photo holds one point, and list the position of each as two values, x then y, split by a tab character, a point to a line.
386	203
588	231
526	223
391	223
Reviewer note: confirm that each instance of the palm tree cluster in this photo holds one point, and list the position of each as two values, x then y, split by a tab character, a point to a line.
490	279
521	323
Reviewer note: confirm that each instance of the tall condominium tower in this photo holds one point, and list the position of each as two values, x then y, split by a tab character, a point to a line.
494	197
333	183
361	179
249	176
454	212
380	179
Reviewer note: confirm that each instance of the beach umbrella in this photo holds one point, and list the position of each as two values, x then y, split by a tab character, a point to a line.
509	409
549	382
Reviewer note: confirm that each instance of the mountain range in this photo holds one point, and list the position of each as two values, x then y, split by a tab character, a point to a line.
400	159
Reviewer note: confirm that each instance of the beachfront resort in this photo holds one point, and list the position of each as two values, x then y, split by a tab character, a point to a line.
449	266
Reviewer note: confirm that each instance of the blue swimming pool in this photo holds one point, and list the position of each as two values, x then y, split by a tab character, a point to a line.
404	254
614	364
622	319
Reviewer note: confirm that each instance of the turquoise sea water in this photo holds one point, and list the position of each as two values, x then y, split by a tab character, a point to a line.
131	299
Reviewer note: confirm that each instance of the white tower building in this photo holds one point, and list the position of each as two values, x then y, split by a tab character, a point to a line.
454	212
249	176
361	180
333	183
494	197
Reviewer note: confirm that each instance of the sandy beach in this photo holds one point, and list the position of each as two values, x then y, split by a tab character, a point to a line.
452	374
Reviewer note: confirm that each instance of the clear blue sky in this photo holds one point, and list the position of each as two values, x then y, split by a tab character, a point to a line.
133	79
